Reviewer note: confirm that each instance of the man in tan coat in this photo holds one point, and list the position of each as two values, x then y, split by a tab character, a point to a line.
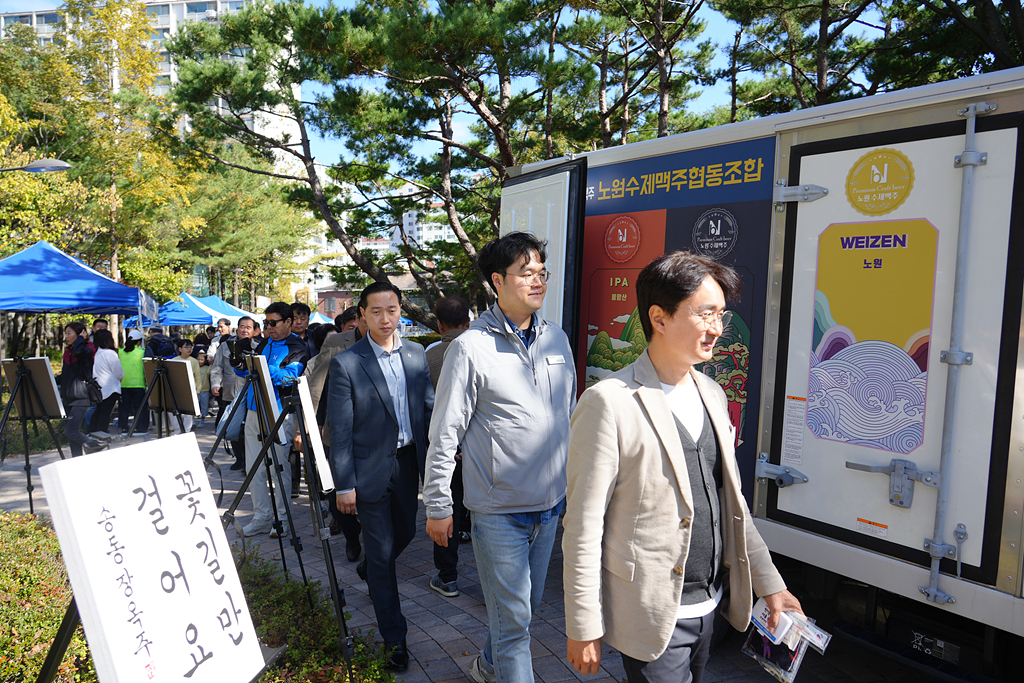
657	533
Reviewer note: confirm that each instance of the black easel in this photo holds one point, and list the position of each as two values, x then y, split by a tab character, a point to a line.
261	459
291	404
160	380
22	386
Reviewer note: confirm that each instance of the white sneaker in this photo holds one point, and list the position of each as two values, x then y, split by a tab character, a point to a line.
477	673
254	529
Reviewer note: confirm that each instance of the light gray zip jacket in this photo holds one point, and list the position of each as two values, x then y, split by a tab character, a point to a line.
509	407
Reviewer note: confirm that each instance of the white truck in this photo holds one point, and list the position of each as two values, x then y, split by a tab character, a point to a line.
875	364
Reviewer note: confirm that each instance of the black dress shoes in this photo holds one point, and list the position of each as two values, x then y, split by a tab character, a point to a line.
353	550
93	446
361	569
237	465
398	660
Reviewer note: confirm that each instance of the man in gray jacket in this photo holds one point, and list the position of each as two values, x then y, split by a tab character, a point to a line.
224	383
506	391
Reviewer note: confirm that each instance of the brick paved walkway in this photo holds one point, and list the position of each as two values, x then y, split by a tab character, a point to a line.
446	634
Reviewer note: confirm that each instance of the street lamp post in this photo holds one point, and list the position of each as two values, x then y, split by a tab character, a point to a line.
41	166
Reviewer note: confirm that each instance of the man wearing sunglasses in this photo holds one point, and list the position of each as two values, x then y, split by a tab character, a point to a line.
656	528
286	356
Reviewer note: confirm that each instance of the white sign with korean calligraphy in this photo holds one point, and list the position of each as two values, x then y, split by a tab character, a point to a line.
150	565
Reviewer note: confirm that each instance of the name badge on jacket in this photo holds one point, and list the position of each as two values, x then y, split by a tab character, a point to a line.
556	360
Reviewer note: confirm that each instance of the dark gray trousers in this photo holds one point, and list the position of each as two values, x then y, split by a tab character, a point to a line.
73	427
389	524
683	661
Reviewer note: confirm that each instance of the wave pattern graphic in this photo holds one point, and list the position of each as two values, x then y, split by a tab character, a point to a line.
823	320
870	393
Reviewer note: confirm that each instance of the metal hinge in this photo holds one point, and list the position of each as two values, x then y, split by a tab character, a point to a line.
781	193
902	475
782	475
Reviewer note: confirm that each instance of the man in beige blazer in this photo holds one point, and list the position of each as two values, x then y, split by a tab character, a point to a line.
657	533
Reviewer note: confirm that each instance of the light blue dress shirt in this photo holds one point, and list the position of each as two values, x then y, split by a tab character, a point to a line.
394	373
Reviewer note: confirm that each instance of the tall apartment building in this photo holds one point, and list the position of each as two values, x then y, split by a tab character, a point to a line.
420	230
166	18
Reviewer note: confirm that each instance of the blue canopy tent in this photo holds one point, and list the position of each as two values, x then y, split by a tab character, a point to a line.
176	313
43	279
193	310
226	310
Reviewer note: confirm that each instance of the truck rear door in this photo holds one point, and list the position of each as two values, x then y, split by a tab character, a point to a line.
864	293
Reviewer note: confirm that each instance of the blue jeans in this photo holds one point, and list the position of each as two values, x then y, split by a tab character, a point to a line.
512	561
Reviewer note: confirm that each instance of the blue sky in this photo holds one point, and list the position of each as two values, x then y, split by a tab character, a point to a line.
328	151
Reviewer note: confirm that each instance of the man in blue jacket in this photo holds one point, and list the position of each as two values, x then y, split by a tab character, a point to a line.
286	359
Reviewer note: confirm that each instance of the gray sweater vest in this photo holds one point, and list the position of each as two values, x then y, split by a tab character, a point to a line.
702	573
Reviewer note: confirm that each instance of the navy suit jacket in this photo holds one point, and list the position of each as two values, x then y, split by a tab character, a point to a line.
363	424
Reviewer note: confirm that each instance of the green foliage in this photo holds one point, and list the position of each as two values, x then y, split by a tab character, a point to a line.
34	594
135	205
45	92
532	80
279	606
157	274
805	54
39	439
42	206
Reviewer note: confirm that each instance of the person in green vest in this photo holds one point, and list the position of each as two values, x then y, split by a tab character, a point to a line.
133	384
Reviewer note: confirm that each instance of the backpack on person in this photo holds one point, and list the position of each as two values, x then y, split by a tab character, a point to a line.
163	347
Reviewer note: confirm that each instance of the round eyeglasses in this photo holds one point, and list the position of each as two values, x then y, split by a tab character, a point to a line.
709	317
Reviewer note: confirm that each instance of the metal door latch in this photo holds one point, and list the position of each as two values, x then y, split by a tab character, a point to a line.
782	475
902	475
961	535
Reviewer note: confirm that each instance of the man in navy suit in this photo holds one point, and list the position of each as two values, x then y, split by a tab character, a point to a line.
379	403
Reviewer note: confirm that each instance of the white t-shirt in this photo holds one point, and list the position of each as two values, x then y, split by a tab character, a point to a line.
684	400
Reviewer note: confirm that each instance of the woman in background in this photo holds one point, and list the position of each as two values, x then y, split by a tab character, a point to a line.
76	369
203	387
108	372
185	353
133	384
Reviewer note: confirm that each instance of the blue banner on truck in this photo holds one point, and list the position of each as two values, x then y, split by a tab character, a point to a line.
715	201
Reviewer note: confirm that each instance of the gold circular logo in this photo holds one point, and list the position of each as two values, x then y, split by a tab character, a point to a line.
880	182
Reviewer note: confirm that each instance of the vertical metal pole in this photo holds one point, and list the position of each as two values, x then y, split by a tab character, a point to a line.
955	356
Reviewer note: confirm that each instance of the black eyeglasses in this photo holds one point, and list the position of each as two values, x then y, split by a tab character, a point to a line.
273	323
